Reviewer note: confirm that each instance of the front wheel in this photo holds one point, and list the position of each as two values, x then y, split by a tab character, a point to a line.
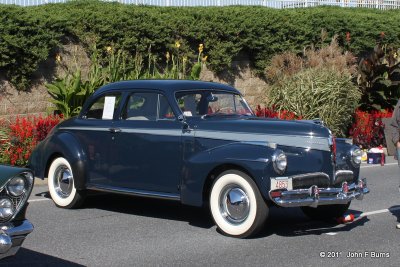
326	212
236	204
61	185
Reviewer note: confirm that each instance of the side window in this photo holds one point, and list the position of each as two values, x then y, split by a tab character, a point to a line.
165	110
147	106
190	104
104	107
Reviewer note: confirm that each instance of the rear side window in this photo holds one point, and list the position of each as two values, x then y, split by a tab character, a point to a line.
104	107
147	106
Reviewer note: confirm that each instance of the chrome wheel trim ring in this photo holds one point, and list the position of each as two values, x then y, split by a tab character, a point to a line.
234	204
63	181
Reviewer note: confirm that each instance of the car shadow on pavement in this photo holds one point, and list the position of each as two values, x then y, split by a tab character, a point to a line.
27	257
395	210
292	222
281	221
163	209
45	194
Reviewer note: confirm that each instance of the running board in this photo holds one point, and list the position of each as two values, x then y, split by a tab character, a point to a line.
134	192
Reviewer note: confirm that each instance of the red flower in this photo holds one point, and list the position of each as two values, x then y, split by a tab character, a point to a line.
367	129
23	134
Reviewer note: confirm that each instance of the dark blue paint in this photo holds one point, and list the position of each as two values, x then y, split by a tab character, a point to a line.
179	164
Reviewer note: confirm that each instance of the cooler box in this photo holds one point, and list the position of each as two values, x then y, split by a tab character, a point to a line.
375	158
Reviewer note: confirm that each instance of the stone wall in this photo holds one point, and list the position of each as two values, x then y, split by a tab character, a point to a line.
14	102
37	100
242	78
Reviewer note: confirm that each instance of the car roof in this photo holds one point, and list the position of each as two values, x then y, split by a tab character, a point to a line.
164	85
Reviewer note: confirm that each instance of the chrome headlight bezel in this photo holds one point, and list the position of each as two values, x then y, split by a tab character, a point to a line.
355	156
18	197
279	162
6	208
17	186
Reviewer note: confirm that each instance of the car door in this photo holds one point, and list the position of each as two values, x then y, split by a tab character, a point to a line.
94	132
147	151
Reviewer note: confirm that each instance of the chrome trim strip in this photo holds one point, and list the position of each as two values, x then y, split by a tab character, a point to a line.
104	129
343	172
310	175
173	132
134	192
308	142
263	160
315	196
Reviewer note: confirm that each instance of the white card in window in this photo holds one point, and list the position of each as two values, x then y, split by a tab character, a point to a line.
187	113
109	105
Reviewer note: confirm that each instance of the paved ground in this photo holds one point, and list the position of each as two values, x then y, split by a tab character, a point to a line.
125	231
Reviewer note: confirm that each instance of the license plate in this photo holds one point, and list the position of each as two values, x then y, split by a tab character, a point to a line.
281	183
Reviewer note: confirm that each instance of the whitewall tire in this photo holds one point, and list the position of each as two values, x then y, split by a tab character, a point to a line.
236	205
61	185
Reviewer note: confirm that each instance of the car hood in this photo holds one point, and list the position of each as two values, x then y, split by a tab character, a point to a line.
307	134
7	172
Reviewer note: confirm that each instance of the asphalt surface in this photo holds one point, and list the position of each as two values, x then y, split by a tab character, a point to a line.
116	230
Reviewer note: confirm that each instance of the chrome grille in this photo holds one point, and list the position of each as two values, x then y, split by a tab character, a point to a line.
343	176
309	179
17	201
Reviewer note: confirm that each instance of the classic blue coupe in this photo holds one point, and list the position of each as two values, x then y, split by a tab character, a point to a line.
198	143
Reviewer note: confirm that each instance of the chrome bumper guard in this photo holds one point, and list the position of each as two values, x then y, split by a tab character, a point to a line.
315	196
12	235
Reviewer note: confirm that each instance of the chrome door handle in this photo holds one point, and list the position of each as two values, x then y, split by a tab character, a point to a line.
115	130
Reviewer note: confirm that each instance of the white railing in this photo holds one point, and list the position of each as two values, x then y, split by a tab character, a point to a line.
379	4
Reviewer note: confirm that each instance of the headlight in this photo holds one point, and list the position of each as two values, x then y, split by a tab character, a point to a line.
6	208
279	162
356	157
16	186
15	193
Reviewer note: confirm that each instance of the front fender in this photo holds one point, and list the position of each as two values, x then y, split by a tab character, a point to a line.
62	144
255	159
343	157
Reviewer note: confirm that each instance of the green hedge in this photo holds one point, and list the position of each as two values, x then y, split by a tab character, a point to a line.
28	35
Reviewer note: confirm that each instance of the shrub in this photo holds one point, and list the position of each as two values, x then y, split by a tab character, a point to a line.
30	34
367	129
18	138
379	77
317	84
70	92
329	56
318	93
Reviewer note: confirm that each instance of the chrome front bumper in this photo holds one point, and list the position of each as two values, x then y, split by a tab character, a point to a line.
12	235
315	196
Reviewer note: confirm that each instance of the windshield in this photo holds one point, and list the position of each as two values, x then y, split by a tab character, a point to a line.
211	103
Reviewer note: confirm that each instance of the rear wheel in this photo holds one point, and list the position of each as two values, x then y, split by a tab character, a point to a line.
61	185
326	212
236	204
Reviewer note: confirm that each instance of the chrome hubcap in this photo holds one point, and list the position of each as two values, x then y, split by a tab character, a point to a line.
63	181
234	204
